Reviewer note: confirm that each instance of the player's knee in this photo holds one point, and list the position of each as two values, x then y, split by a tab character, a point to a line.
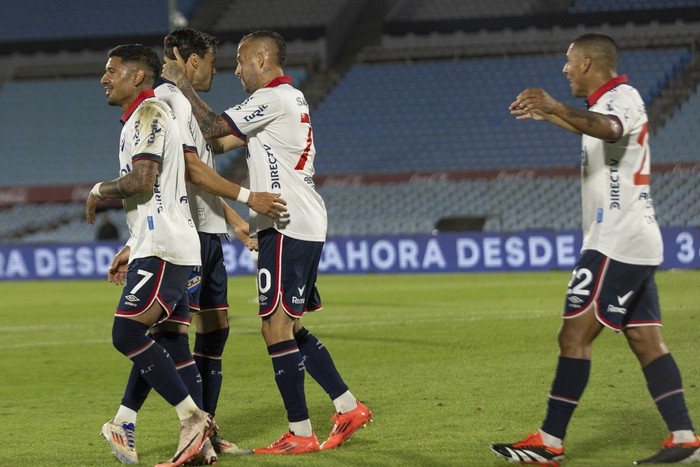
211	343
301	335
128	335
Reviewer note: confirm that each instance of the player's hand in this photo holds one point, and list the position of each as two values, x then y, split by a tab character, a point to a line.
521	114
90	206
268	204
119	267
243	234
173	69
535	102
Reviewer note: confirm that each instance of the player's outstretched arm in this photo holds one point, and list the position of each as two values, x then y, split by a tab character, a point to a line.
535	102
140	180
240	227
225	144
211	124
199	173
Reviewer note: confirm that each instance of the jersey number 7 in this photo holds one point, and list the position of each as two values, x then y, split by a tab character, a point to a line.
309	141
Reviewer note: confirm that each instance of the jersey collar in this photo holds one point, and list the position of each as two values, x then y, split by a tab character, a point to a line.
598	93
141	97
160	80
279	80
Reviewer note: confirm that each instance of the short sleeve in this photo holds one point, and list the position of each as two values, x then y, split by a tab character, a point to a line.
622	105
254	113
150	122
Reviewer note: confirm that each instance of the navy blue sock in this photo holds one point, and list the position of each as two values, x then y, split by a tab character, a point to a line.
289	376
178	346
137	390
569	382
319	363
156	366
666	388
208	349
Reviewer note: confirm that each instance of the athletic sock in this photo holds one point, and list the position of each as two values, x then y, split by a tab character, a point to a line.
569	382
666	388
137	390
178	346
302	428
289	376
319	364
129	337
126	415
208	349
344	403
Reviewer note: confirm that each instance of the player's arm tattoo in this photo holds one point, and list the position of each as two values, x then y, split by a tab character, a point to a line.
140	180
593	123
587	117
211	124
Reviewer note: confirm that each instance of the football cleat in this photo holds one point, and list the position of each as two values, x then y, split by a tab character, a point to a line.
675	453
290	443
530	451
194	431
122	441
206	457
222	446
346	424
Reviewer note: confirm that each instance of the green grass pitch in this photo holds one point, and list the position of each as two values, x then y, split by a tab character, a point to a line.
448	363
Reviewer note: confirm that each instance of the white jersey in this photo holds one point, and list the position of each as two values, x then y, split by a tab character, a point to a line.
159	220
618	215
205	208
274	122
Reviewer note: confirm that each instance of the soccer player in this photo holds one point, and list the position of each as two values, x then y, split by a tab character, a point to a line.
275	126
613	282
209	288
163	246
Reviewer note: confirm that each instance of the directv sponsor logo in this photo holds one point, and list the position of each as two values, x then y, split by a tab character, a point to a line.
274	168
614	185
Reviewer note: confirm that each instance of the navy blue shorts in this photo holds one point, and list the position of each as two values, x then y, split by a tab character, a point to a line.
622	295
287	270
152	279
209	287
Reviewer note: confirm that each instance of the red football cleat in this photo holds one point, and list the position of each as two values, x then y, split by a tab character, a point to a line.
290	443
346	424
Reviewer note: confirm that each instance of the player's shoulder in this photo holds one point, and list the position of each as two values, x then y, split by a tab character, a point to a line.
154	108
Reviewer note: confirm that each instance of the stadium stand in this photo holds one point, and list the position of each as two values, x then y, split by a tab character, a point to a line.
447	115
417	118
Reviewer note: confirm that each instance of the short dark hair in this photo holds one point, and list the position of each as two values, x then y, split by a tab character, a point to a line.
272	37
139	53
601	46
189	41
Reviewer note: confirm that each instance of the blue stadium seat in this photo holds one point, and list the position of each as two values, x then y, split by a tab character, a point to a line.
452	114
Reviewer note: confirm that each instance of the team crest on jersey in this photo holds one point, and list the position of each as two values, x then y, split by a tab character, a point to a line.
194	281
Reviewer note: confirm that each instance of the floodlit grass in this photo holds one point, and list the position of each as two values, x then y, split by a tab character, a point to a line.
448	363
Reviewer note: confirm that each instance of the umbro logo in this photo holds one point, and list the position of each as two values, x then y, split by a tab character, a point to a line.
575	299
132	298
